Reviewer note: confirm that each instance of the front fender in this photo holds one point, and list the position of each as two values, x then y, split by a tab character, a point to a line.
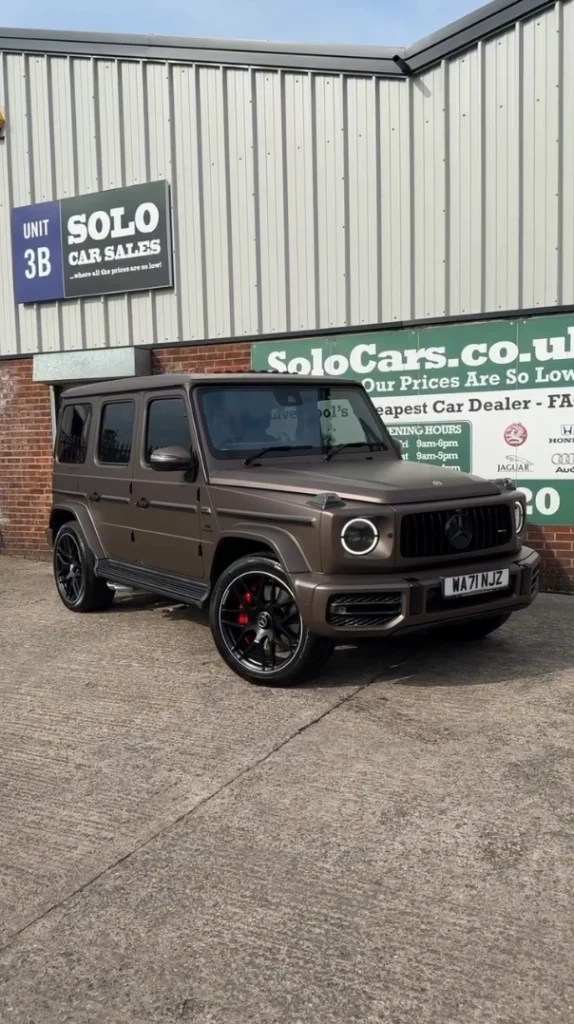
84	517
287	549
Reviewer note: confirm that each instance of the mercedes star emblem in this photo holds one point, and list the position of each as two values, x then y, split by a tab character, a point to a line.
458	531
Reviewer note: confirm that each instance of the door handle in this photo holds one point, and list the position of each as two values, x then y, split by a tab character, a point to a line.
142	503
94	496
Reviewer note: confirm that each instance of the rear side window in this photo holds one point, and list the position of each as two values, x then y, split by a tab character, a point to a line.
73	434
116	433
167	425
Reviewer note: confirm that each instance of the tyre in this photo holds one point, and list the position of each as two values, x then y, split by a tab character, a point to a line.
476	629
257	626
78	586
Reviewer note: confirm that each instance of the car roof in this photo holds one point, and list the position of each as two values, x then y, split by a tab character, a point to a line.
174	380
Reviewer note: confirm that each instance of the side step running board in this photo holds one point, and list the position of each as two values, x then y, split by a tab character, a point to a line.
177	588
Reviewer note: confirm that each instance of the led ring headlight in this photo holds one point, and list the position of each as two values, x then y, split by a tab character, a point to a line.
359	537
519	516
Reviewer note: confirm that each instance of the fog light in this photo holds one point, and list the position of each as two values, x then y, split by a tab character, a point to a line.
519	516
359	537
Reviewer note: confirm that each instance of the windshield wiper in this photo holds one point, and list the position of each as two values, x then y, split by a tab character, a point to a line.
371	445
276	448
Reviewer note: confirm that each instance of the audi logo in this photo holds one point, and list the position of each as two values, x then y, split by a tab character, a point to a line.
563	459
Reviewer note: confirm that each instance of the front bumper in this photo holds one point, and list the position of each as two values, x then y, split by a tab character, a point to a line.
412	602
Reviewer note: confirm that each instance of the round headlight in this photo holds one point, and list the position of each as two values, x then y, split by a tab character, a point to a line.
359	537
519	516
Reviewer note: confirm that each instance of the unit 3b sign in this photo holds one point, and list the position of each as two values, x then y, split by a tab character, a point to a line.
98	244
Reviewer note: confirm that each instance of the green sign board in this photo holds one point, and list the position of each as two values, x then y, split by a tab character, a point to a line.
494	398
444	443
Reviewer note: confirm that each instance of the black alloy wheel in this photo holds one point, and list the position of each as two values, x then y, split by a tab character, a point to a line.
78	586
68	565
260	622
258	628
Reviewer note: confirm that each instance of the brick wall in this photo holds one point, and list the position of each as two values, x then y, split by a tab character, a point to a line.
556	545
26	456
202	358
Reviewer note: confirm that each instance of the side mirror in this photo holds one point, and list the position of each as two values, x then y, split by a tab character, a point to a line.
175	457
397	445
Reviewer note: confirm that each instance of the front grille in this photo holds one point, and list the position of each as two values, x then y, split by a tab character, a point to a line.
352	611
535	581
432	534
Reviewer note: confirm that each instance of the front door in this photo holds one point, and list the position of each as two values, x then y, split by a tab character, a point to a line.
166	505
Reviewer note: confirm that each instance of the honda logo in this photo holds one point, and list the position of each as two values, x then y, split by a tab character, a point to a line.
567	430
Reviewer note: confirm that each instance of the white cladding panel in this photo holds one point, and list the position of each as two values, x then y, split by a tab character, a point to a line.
306	200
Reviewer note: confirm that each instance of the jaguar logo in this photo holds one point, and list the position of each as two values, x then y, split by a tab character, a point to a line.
458	531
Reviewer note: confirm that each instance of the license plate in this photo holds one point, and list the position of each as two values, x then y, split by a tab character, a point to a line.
475	583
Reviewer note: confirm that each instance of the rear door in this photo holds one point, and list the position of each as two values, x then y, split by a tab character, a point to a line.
110	484
166	502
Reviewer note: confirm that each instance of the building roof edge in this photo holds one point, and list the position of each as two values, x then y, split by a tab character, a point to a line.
390	62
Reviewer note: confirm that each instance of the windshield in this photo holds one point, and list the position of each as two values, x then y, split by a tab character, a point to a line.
242	419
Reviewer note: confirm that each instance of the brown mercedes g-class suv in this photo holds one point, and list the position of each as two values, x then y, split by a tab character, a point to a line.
283	505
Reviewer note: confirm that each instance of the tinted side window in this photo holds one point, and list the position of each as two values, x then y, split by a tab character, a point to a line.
116	433
167	424
73	433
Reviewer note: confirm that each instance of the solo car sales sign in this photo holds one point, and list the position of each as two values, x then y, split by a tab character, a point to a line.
102	243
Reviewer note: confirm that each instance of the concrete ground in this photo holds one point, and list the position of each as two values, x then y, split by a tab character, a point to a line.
394	843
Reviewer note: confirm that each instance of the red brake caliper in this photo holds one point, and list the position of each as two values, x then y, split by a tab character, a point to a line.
243	617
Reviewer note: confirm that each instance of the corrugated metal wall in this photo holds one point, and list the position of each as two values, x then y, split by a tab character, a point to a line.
305	200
